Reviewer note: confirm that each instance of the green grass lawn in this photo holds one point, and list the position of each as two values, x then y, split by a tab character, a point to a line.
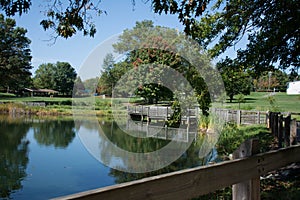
261	101
255	101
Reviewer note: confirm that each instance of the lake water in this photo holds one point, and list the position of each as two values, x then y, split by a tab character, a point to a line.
42	158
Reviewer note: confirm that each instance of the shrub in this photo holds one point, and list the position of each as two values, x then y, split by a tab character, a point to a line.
230	139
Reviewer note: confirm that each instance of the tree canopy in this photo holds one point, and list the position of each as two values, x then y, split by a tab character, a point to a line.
44	76
271	27
64	17
160	61
15	55
59	76
236	78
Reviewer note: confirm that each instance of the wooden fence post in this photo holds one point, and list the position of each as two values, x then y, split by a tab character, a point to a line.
238	117
271	122
227	116
293	136
275	124
287	130
249	189
280	130
268	119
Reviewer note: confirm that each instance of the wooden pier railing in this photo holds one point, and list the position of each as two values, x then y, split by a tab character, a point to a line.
159	112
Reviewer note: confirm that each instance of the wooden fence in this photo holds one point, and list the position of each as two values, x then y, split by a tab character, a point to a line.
227	115
241	116
243	173
283	127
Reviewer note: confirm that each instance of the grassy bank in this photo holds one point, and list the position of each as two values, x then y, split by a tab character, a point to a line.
255	101
264	101
55	106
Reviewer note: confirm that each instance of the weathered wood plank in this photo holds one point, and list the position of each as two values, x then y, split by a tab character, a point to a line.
287	130
190	183
280	130
293	135
249	189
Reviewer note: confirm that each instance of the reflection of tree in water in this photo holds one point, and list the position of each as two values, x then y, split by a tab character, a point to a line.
189	159
13	156
56	133
131	143
127	143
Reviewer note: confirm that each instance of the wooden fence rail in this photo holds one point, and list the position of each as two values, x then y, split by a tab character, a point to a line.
191	183
160	112
241	116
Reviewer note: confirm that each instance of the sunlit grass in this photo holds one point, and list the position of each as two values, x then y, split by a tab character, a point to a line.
260	101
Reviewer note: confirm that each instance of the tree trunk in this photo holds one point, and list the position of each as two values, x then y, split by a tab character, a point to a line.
230	98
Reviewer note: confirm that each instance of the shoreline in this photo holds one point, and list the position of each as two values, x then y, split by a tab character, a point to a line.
21	109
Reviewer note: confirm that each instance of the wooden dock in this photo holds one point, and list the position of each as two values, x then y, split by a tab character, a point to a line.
149	112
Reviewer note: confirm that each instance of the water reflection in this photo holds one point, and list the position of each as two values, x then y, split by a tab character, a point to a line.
138	153
58	133
125	152
13	156
192	157
14	146
55	141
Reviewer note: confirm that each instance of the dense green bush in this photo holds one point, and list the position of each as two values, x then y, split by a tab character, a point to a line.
230	139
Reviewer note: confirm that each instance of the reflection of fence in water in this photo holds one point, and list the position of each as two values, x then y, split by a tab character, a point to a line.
161	132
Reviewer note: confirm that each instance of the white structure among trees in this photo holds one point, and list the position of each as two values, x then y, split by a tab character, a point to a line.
293	87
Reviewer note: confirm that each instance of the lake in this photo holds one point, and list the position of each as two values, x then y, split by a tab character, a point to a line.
42	158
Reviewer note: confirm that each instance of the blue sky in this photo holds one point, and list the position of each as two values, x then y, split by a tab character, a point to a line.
75	50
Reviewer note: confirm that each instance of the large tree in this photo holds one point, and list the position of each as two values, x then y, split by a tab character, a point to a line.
59	76
235	77
152	52
108	75
15	55
44	76
64	76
